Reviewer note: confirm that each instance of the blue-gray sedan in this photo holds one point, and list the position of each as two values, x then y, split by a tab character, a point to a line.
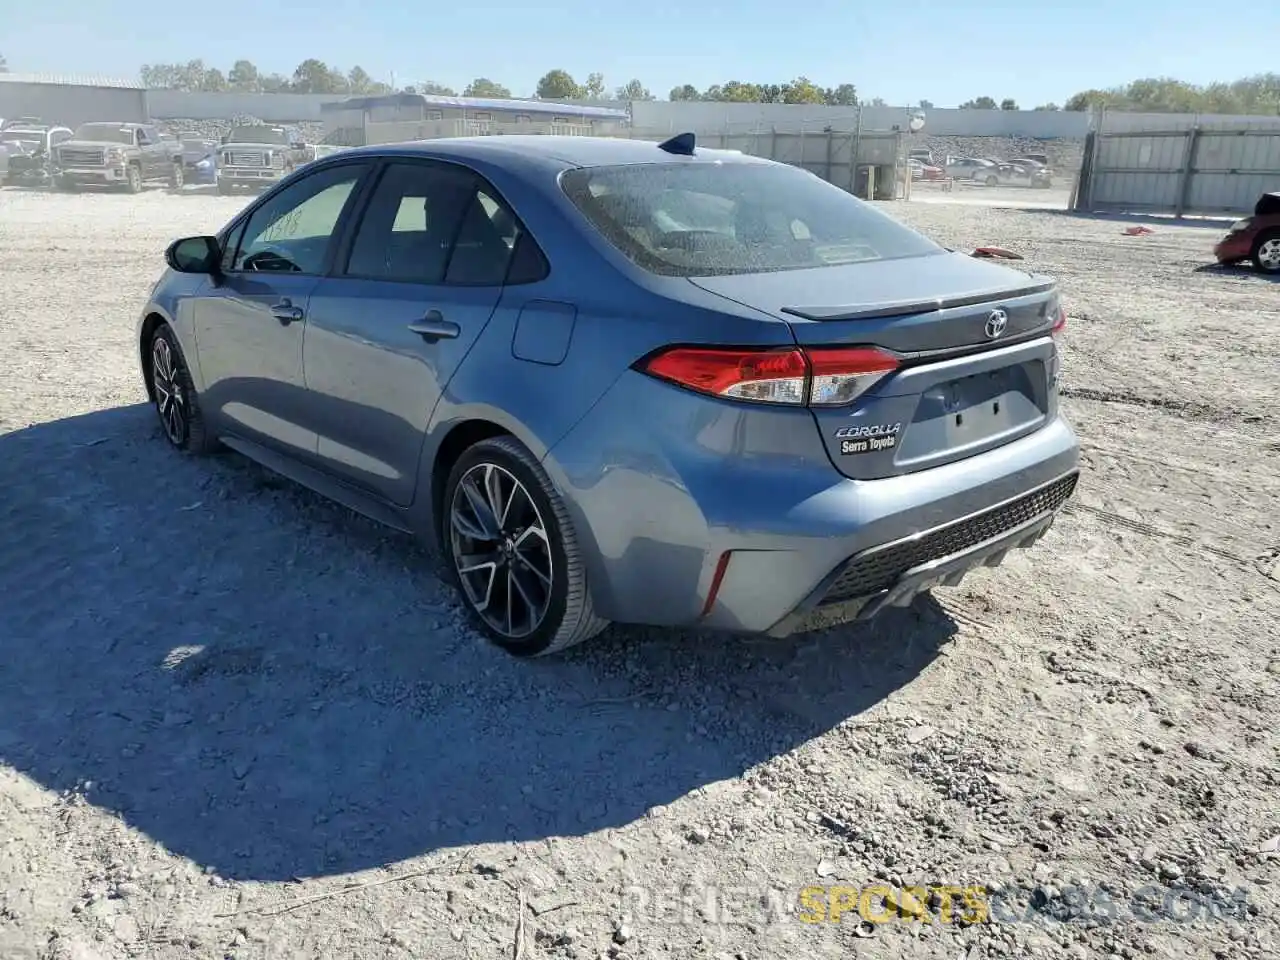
614	380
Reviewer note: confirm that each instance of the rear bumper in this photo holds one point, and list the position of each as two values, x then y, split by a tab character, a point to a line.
743	525
894	574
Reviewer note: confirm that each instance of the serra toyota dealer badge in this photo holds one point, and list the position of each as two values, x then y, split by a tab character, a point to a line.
855	440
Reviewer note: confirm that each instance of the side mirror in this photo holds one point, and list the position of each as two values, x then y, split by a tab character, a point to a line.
195	255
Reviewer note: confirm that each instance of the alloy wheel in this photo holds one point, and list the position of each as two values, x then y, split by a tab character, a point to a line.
1269	254
171	402
501	550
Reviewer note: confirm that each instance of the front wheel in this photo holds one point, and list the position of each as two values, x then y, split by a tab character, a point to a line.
1266	252
177	177
174	395
513	553
992	182
133	179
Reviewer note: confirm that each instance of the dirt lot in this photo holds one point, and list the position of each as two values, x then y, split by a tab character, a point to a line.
236	721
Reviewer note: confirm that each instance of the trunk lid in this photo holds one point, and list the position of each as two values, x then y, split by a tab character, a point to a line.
978	368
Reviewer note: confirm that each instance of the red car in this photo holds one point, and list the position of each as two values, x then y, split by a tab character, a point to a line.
1255	238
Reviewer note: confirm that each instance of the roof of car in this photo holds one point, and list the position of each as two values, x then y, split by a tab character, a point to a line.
570	150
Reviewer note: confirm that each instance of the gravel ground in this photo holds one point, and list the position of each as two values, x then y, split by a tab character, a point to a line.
237	721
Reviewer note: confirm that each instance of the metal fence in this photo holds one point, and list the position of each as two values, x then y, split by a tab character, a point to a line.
1198	170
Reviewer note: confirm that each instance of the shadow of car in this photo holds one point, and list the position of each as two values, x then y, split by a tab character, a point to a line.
1255	238
267	684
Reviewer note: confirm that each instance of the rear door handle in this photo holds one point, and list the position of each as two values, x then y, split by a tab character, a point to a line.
435	327
286	312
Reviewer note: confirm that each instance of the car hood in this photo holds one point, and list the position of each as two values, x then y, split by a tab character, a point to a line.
1268	205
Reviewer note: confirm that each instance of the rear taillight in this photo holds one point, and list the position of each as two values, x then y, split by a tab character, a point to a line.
1060	322
817	376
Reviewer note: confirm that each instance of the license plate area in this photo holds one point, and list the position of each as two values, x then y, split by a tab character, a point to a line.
967	414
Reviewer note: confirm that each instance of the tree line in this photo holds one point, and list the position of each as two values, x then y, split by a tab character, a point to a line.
1258	94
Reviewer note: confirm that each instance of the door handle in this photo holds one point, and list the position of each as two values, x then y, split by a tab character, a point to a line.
286	312
435	327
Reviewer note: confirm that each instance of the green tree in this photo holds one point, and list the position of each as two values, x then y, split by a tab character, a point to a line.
845	95
635	90
876	102
802	90
686	91
926	105
593	89
484	87
314	76
558	85
1048	106
433	89
1008	103
244	76
979	103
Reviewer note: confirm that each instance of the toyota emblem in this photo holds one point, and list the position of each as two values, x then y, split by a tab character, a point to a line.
997	320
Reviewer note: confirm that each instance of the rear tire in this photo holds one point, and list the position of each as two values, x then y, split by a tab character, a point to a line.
992	182
511	551
174	395
1266	252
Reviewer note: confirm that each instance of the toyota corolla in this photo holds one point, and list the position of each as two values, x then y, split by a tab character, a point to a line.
613	380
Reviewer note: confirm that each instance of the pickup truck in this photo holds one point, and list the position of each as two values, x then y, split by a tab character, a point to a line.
123	155
26	153
258	155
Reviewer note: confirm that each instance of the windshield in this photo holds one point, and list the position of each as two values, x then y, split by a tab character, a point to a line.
689	220
258	135
105	133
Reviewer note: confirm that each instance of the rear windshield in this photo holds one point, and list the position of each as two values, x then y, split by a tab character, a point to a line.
702	219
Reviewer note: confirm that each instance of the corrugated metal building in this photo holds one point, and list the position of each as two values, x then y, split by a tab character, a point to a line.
71	100
414	116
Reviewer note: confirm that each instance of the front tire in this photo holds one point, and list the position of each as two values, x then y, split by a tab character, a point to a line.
174	395
512	552
1266	252
133	179
177	178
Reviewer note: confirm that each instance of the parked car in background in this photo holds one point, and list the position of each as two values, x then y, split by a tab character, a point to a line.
29	154
258	156
313	152
1035	167
122	155
613	380
922	154
1255	238
199	160
967	168
1012	175
925	171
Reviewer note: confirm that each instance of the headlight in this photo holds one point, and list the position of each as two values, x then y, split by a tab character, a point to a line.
115	153
203	164
1239	225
